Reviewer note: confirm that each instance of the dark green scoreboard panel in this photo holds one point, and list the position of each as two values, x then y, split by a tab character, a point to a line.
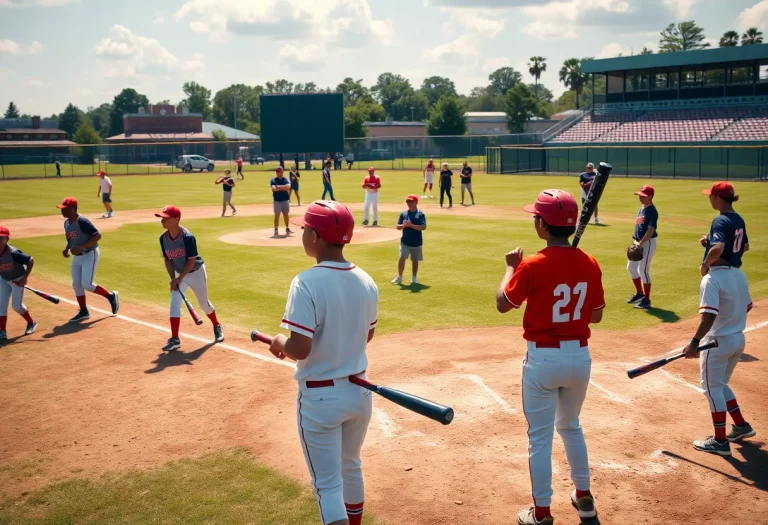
302	123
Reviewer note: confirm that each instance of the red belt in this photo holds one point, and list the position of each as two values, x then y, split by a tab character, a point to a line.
556	344
326	382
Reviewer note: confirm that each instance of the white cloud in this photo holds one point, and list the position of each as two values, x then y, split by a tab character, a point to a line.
34	83
311	57
131	54
497	4
680	7
33	3
159	20
481	21
492	64
13	48
457	52
755	16
613	50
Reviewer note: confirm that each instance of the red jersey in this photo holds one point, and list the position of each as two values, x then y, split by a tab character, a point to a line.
372	180
563	286
430	166
239	161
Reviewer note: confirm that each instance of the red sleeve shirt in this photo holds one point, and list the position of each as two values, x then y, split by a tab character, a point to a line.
373	181
562	287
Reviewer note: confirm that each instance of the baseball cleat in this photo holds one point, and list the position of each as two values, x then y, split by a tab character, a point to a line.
288	231
414	280
275	231
218	334
713	446
365	223
585	505
172	344
114	301
31	327
527	517
644	304
635	298
738	433
3	335
234	213
82	315
397	280
375	223
597	221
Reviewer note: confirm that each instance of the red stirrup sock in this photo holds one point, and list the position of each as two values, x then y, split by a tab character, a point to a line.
175	322
735	412
212	317
99	290
354	513
718	418
638	285
3	322
647	290
541	512
29	320
81	301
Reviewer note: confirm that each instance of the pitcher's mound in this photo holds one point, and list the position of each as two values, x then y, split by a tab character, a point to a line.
267	237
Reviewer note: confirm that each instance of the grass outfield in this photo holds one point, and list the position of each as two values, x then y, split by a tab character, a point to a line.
464	256
221	488
48	170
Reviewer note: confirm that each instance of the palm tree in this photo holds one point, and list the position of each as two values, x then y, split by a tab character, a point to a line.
536	67
646	51
752	36
572	77
729	39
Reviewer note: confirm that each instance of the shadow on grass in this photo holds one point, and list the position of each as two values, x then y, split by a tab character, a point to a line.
71	328
177	358
665	316
414	288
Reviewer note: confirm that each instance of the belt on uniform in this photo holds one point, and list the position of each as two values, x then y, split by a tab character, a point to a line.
83	253
325	382
556	344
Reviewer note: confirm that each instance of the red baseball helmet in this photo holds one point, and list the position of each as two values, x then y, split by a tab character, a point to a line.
332	221
5	232
556	207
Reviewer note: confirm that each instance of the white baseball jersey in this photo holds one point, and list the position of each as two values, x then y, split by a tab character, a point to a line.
106	184
724	291
335	304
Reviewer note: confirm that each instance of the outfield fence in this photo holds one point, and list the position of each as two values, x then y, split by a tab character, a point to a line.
747	162
394	153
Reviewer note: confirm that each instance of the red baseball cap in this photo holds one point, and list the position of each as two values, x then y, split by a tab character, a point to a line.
412	197
100	173
279	169
169	212
721	189
67	202
332	221
5	232
371	169
645	191
556	207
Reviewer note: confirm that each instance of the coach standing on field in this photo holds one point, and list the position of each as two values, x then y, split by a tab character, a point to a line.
281	194
466	182
585	181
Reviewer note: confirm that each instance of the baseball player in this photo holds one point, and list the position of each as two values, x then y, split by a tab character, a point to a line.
240	168
327	188
83	243
281	194
466	182
585	181
227	185
105	190
724	301
371	185
331	313
186	269
429	179
446	183
563	288
15	267
294	177
645	235
412	222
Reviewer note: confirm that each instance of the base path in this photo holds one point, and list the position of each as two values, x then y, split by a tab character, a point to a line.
81	400
267	237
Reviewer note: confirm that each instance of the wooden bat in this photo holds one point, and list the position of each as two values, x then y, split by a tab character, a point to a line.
435	411
192	312
642	370
593	197
47	297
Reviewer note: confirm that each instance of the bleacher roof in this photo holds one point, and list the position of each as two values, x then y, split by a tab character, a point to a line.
702	57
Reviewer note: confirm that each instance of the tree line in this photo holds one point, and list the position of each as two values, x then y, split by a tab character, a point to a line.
436	102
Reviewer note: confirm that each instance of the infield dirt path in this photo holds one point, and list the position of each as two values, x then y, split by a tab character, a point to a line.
82	400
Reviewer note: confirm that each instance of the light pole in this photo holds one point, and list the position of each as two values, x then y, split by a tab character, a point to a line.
234	111
412	114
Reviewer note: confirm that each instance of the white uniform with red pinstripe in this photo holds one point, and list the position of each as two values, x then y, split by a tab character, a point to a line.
335	304
724	292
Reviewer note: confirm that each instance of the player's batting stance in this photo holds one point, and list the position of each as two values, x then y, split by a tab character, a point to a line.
723	304
83	243
15	267
186	269
331	314
564	292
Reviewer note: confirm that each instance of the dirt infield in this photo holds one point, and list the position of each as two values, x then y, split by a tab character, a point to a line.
267	237
86	399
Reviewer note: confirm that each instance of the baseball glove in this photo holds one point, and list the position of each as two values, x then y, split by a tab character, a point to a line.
635	252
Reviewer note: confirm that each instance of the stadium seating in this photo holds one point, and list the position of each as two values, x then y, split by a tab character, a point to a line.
593	127
753	126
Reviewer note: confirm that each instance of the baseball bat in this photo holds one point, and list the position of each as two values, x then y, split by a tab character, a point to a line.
192	312
47	297
593	197
642	370
435	411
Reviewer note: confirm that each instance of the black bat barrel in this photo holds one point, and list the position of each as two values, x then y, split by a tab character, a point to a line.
425	407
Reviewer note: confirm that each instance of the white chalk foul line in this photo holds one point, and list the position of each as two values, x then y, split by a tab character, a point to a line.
610	395
506	407
187	336
386	425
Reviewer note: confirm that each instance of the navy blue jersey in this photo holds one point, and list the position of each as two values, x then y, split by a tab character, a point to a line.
648	216
180	249
587	177
80	232
467	178
227	184
13	263
281	195
411	237
728	228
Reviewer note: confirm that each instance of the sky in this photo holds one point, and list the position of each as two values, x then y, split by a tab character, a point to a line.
53	52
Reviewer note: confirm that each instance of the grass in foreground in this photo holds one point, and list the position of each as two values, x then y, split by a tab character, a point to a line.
221	488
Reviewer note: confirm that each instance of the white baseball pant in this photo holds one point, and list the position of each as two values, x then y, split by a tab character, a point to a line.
555	382
83	270
332	423
372	199
717	366
198	281
642	268
9	290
